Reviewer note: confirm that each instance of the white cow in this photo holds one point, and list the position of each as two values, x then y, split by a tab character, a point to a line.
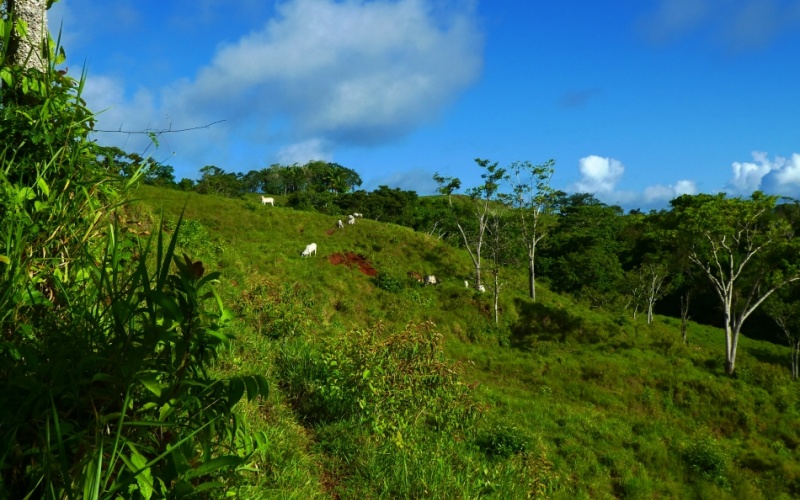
357	215
265	200
431	280
466	284
351	220
339	224
481	288
310	248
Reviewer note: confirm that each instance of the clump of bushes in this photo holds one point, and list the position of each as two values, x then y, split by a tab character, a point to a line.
386	281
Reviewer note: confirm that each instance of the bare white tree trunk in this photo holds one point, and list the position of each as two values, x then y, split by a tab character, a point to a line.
723	276
656	282
685	314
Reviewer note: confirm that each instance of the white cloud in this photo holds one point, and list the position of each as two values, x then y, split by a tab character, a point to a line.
303	152
319	75
783	177
598	175
779	176
660	193
789	173
747	175
354	72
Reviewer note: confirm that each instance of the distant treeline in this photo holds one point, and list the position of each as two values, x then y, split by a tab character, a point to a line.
595	252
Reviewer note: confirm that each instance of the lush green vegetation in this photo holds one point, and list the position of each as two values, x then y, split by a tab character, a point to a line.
157	342
559	400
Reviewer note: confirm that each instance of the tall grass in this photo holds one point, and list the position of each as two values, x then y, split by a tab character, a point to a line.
107	339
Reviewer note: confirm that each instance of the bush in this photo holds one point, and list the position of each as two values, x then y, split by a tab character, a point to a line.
387	282
503	441
388	385
705	458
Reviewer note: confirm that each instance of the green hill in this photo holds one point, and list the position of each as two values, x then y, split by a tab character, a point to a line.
382	387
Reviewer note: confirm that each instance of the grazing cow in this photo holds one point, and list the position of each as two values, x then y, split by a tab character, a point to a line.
339	224
265	200
431	280
481	288
416	276
311	248
357	215
351	220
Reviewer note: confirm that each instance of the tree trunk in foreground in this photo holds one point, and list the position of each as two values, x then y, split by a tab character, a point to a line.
30	50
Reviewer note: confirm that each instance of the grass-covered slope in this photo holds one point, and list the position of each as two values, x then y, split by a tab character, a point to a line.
382	387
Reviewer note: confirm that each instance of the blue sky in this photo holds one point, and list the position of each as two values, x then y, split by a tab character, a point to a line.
637	101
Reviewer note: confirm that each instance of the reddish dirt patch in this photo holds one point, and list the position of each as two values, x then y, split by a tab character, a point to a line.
351	260
330	231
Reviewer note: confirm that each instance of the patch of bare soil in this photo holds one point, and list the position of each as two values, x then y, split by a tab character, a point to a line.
352	260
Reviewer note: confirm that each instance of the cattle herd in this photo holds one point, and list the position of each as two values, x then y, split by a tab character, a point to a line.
311	248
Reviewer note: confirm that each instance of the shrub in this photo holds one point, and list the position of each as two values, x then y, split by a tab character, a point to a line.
388	384
705	458
387	282
503	441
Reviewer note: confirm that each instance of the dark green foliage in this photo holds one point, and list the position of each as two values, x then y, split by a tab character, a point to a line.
386	384
386	281
214	180
705	458
503	441
105	341
582	254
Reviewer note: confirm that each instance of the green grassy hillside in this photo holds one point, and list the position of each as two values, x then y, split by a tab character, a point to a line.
381	387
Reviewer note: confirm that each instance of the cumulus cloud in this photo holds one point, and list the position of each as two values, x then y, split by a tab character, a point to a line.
303	152
601	176
319	75
747	175
660	193
783	176
777	176
598	175
737	24
351	73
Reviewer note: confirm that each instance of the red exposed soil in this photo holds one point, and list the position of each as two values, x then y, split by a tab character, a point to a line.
351	260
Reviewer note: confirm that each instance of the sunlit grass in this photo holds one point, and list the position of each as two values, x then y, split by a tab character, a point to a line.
594	405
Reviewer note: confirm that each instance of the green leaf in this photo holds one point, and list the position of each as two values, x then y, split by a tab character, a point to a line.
252	387
6	76
213	465
145	477
4	259
150	381
235	391
43	185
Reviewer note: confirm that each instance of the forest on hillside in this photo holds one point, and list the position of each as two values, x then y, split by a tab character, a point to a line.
714	258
